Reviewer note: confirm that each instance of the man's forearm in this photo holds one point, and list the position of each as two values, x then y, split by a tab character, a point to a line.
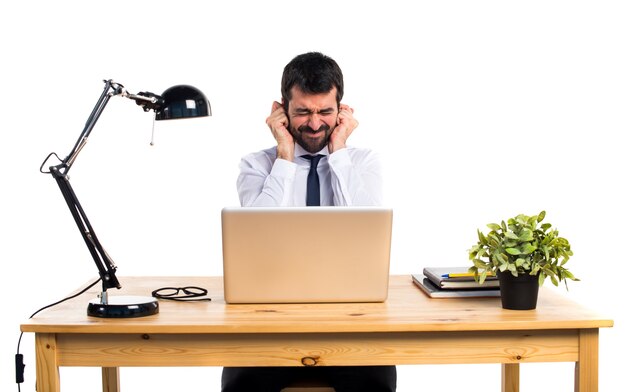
258	188
356	183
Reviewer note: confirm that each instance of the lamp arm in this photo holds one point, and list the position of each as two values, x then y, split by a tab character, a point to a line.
105	265
110	89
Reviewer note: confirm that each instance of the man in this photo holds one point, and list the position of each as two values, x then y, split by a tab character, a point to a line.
311	127
311	121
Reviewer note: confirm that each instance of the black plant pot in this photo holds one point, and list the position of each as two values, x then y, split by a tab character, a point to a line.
518	293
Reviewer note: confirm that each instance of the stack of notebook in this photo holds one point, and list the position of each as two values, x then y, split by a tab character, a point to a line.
454	282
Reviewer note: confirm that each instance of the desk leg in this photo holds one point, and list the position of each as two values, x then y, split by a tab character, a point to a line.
47	365
110	379
510	377
587	366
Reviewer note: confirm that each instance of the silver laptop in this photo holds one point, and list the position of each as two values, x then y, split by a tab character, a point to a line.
306	254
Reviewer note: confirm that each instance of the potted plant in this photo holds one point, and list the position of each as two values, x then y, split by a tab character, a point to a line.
522	252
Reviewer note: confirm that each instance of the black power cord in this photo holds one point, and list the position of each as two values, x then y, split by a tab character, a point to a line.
19	358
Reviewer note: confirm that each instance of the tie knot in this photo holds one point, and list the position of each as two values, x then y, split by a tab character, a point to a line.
315	159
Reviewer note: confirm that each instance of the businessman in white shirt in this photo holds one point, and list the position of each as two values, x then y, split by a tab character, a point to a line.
311	127
310	122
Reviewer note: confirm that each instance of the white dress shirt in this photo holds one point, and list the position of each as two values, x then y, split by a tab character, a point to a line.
348	177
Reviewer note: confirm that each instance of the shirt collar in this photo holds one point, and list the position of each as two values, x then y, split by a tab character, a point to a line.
299	151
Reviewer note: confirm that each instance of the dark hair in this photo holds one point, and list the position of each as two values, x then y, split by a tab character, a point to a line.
313	73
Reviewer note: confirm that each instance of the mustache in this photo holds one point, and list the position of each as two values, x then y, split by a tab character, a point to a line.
306	128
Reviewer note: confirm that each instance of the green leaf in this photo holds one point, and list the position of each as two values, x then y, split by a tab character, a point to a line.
493	226
479	264
513	251
509	234
568	275
481	237
526	234
528	249
542	215
502	258
473	270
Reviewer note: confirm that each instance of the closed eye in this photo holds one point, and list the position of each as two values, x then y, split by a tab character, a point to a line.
306	112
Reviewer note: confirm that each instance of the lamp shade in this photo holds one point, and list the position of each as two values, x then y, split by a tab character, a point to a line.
183	101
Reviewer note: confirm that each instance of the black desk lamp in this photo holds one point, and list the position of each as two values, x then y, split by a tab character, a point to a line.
177	102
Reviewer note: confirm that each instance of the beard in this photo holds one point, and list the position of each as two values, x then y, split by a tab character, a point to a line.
303	136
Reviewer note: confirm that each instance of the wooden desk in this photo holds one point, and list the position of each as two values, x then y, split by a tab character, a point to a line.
407	329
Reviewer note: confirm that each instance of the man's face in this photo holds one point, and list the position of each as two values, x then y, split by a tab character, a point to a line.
312	118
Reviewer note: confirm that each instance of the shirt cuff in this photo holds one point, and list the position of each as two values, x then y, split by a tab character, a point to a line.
339	158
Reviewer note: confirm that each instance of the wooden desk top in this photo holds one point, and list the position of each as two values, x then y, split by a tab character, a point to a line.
406	310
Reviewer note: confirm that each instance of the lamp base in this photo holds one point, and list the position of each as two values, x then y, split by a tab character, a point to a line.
123	307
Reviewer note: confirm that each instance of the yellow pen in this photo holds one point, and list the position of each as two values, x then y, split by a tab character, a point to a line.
462	275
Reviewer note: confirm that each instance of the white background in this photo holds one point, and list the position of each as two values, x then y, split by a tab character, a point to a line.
480	110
